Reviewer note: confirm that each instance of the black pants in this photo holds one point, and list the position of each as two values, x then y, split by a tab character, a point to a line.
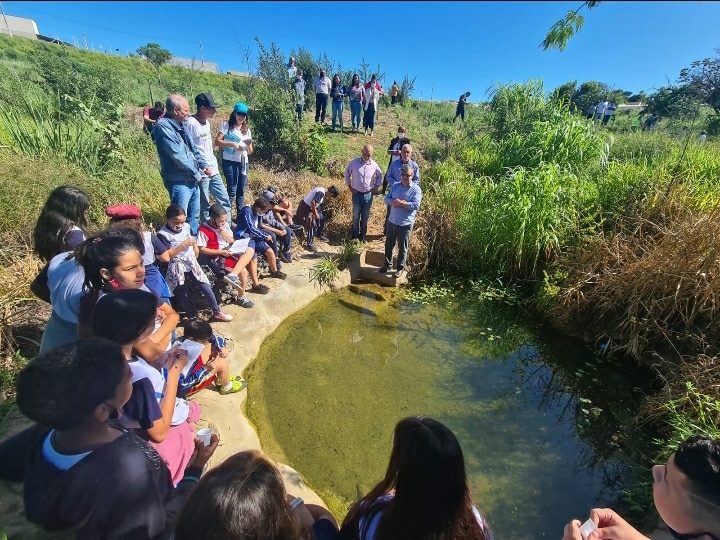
320	107
459	112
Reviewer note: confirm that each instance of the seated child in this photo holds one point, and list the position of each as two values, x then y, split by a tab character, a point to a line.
311	217
183	267
82	471
214	239
213	364
248	226
282	207
281	234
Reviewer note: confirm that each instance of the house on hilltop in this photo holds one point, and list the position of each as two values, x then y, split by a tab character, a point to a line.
19	26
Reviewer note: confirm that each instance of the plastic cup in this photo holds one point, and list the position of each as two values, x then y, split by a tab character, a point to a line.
204	435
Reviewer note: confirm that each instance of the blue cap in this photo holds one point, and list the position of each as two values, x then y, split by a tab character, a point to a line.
241	108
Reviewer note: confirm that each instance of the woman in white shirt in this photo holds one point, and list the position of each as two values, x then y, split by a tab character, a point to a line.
235	139
373	91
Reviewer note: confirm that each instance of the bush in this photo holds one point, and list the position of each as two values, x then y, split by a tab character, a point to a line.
515	107
274	123
316	150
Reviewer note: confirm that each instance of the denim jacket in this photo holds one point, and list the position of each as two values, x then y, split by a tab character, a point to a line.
180	159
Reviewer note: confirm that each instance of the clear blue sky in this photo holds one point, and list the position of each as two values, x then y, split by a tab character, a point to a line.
450	46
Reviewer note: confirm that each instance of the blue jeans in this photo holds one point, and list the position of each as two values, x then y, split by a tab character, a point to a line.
361	203
337	110
355	109
236	182
214	186
187	196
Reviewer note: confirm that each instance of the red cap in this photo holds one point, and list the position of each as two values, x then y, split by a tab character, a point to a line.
123	211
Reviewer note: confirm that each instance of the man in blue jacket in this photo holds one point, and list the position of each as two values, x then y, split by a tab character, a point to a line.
404	200
182	164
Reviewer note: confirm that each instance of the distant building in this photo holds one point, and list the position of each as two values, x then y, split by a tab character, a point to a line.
18	26
234	73
192	63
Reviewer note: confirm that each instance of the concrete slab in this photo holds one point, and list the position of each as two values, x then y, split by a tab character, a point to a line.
366	268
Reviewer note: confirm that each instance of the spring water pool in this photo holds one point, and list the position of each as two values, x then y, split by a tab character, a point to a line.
329	385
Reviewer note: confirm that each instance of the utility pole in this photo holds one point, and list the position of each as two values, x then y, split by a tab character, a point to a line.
85	40
202	63
5	18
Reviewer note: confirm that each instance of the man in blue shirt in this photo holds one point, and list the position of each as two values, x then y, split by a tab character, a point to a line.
182	163
404	200
393	174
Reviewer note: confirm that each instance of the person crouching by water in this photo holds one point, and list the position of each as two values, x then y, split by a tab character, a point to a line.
311	217
403	200
424	494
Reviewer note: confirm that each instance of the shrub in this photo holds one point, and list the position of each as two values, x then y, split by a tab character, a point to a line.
316	150
325	273
274	125
514	108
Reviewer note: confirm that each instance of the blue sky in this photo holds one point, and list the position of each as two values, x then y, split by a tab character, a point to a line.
449	46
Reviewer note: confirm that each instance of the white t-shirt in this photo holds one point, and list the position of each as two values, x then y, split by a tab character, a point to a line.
292	72
201	134
234	135
65	281
175	239
316	194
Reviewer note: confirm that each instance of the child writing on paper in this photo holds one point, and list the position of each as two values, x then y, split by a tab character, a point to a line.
212	364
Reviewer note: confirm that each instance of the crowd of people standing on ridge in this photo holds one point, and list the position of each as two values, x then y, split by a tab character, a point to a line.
113	453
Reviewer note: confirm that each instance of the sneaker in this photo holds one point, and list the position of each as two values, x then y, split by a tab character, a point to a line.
323	238
384	270
400	273
312	248
296	227
245	302
222	317
286	258
233	280
278	274
260	289
236	385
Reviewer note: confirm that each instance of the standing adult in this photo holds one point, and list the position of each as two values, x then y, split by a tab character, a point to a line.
460	109
364	177
236	141
609	113
198	127
403	200
394	93
394	150
373	91
600	109
356	94
151	115
703	137
292	68
394	174
337	91
322	91
299	94
182	164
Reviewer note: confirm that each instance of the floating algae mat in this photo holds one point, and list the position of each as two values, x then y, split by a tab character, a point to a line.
329	385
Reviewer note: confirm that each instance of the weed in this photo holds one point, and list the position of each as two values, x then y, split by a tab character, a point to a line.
325	273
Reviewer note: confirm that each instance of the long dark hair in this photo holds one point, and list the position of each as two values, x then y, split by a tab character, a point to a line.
122	316
64	208
234	121
103	251
432	499
243	498
354	77
335	85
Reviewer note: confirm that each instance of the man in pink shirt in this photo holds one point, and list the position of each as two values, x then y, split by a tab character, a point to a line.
364	178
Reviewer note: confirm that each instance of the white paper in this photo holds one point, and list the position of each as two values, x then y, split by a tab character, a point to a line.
193	349
587	527
239	246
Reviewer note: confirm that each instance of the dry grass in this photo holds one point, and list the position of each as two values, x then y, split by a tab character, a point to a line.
654	288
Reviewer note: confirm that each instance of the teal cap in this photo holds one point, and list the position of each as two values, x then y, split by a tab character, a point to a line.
241	108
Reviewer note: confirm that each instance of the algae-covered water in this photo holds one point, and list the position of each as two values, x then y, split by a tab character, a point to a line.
329	385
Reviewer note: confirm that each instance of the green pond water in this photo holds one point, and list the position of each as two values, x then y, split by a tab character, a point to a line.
329	385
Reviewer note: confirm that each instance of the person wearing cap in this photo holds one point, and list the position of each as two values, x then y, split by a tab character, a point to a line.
404	200
198	127
130	216
235	139
182	164
281	234
364	177
151	115
283	208
322	92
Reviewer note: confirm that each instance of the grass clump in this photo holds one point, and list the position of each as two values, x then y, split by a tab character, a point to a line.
325	273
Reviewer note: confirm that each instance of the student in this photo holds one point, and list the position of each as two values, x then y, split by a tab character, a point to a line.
213	364
281	234
460	109
244	498
282	207
112	260
183	267
686	493
248	226
151	115
236	142
83	472
356	94
214	239
62	225
311	216
130	216
424	494
126	317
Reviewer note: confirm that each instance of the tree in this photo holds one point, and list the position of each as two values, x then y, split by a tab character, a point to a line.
406	88
589	93
673	101
155	54
564	93
703	79
640	97
561	32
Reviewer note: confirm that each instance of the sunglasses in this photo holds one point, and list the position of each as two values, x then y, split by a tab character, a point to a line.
690	536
